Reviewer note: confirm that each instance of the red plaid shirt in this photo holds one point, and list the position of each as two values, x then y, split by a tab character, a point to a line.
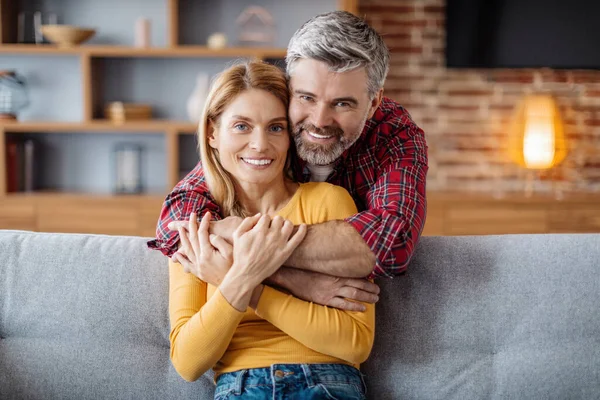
384	171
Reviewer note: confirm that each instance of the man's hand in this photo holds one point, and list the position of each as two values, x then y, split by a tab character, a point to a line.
223	228
207	256
342	293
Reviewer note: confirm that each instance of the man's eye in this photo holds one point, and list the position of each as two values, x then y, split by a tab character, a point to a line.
306	98
342	104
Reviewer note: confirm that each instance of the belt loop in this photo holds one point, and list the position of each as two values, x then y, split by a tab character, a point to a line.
308	375
239	382
362	379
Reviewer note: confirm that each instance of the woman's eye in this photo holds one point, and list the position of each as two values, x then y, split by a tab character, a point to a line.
241	127
277	128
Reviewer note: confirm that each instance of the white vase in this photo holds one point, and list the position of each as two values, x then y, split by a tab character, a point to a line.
195	103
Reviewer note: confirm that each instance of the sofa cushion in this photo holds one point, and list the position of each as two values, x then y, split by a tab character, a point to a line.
85	316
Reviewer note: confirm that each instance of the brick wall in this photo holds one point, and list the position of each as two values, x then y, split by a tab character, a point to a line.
465	113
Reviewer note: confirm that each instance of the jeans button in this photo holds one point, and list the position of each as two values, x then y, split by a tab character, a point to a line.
279	374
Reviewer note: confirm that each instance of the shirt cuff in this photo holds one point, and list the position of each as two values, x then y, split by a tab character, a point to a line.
379	241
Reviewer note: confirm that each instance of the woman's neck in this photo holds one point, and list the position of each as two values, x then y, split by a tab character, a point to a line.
265	199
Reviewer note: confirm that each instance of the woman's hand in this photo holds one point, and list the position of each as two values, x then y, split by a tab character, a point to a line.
262	245
207	256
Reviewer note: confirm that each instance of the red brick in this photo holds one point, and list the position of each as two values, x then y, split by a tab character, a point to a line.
555	77
406	49
482	149
397	35
592	122
585	108
459	107
439	50
502	107
434	9
512	77
586	77
433	35
431	63
412	106
471	92
386	19
388	8
592	93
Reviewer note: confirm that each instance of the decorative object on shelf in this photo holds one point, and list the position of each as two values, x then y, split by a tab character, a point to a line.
120	112
536	136
195	103
21	164
128	168
142	32
13	95
217	40
256	27
67	35
29	26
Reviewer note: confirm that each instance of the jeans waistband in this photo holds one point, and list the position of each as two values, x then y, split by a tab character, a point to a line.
312	374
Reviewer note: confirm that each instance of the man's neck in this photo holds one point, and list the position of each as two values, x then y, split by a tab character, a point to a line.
319	173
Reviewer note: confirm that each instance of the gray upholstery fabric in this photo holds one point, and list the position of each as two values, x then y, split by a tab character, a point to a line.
498	317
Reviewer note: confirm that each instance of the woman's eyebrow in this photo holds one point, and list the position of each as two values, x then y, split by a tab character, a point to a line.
284	119
241	117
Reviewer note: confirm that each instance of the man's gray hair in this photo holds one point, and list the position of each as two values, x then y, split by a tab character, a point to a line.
344	42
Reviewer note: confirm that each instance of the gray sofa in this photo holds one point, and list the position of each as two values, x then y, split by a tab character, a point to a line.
498	317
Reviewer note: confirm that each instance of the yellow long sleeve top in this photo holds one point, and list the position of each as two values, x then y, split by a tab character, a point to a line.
207	332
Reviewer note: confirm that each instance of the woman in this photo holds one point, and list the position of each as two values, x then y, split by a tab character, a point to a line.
258	340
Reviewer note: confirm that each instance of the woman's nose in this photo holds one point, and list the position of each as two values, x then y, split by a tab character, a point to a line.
259	140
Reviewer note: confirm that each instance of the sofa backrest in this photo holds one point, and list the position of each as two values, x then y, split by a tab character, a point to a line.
491	317
85	317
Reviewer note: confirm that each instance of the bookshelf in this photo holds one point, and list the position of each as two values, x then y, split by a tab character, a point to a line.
66	210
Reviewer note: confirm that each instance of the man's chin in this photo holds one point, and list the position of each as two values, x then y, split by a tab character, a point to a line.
317	157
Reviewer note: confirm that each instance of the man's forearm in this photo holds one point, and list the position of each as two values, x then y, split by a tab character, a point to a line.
333	248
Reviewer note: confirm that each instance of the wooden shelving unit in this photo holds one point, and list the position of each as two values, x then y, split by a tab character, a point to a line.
105	126
133	52
79	212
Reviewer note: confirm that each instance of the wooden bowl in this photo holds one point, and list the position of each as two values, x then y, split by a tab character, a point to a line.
67	35
120	112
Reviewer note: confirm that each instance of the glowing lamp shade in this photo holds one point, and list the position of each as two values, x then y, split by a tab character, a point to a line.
536	136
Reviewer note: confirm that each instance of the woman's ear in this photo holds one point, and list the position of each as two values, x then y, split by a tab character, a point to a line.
211	133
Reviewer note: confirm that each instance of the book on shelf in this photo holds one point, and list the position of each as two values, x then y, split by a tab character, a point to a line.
21	165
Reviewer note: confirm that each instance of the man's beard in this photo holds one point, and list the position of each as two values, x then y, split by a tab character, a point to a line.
323	154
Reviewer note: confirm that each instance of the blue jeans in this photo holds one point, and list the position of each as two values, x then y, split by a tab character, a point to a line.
293	381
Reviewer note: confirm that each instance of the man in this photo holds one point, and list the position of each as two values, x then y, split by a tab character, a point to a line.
348	134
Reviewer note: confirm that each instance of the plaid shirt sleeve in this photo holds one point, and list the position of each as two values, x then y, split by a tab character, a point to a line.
396	204
191	194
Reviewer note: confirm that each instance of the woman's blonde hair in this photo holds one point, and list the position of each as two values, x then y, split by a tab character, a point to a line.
226	87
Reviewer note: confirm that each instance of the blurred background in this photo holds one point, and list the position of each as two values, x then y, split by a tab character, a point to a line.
98	103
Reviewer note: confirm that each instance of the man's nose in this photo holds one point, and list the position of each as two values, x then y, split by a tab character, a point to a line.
321	116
